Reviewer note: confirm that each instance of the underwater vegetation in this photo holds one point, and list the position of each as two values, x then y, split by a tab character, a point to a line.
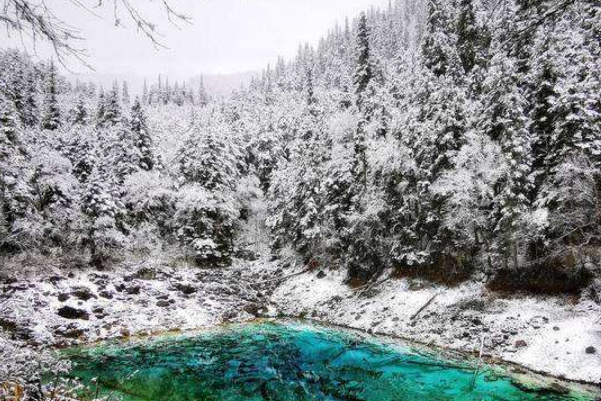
297	362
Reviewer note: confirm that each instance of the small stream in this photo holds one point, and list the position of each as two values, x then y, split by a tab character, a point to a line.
292	361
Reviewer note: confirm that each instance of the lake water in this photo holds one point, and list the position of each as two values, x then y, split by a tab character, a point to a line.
292	362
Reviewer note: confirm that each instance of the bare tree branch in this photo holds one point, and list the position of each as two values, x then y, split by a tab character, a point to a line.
35	20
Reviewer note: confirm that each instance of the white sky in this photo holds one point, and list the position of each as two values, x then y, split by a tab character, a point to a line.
226	36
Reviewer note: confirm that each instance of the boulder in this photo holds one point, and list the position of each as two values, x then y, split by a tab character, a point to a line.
69	312
186	289
590	350
521	344
83	293
163	303
55	279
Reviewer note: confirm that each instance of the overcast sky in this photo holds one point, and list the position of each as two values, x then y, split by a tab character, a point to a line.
226	36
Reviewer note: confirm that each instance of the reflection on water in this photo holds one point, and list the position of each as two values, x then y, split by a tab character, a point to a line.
289	362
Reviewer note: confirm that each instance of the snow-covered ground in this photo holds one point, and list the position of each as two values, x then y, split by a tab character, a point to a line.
545	335
66	307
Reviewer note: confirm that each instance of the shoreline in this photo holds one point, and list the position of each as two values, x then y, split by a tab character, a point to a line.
548	336
184	299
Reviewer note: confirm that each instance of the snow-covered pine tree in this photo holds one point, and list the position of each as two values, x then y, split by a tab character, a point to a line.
112	108
505	119
100	109
142	139
467	35
439	45
125	99
51	116
79	114
101	234
30	115
145	94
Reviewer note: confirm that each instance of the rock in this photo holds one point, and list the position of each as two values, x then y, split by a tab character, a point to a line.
18	332
73	313
55	279
70	332
146	273
521	344
106	294
63	297
321	274
255	310
186	289
336	299
7	279
163	303
555	328
590	350
133	290
83	293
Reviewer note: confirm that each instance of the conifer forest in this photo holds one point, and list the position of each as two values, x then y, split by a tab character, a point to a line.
429	170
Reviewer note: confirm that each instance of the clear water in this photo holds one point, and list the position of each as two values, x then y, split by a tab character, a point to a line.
288	362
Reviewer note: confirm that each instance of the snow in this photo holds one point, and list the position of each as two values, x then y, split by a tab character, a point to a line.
555	331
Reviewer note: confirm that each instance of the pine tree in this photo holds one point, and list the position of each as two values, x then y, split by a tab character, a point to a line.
8	127
468	35
101	109
505	119
51	113
80	112
30	109
145	96
141	136
203	97
17	89
102	213
439	45
125	96
364	71
543	78
112	108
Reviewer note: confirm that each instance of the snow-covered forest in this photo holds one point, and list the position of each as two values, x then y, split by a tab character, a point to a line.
437	139
430	170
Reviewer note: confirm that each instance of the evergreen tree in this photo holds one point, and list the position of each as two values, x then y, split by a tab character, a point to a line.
468	35
17	89
102	213
439	45
145	95
51	113
112	108
101	109
80	112
364	70
8	126
30	116
125	96
141	136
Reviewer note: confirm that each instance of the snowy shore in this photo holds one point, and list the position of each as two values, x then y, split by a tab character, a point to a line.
553	336
59	308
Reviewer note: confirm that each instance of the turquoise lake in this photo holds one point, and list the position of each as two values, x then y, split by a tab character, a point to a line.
292	362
